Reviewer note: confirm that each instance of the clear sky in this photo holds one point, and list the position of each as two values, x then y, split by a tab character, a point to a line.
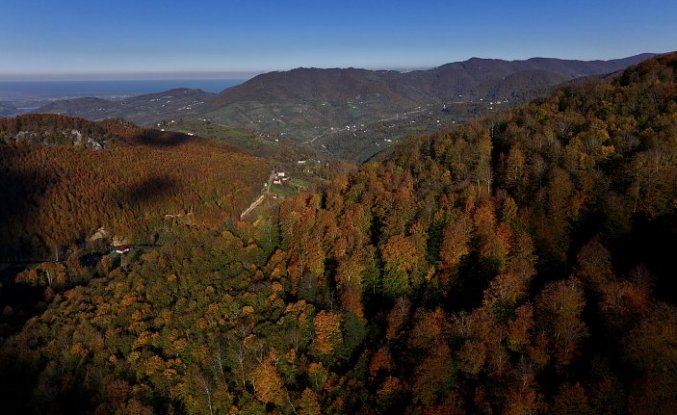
235	38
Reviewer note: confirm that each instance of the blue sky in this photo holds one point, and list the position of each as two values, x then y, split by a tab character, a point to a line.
150	38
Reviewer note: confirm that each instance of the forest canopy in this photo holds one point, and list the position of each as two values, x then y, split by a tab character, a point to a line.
63	178
518	264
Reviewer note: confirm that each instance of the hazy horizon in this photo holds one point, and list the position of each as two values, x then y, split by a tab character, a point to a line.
82	40
243	76
89	77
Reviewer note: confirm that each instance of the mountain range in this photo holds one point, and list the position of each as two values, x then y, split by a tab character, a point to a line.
353	113
472	79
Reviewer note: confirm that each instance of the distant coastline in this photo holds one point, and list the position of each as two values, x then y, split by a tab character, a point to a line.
12	91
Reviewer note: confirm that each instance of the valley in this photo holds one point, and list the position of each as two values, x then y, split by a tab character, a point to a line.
507	259
412	207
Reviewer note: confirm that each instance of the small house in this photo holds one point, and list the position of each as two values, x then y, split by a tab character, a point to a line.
121	249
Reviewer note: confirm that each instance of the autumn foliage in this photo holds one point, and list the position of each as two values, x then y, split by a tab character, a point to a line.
521	264
56	194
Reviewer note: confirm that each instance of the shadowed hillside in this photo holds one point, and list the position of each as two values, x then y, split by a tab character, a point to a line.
63	178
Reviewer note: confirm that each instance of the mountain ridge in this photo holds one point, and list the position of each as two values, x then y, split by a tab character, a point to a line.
351	113
344	110
567	67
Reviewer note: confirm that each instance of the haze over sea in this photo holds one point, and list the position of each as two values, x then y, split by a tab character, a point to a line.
48	90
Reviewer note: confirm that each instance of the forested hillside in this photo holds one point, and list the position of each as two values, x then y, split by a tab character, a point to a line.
354	113
346	113
520	264
63	178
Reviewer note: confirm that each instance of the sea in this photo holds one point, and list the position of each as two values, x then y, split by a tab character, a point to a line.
53	90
